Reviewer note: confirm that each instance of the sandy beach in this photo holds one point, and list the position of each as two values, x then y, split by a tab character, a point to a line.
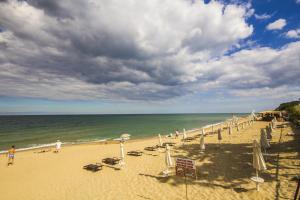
223	173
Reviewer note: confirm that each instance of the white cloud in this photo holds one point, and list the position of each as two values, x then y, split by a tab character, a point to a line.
104	44
150	50
297	1
262	17
293	33
276	25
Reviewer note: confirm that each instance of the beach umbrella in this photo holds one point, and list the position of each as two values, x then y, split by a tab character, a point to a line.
263	140
203	131
219	136
237	127
184	134
125	136
269	133
258	163
168	160
122	155
229	130
202	145
243	125
159	138
270	125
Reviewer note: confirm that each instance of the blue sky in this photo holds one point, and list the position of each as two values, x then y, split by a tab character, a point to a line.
166	56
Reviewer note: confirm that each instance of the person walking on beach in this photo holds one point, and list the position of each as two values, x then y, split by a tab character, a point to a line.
57	146
11	155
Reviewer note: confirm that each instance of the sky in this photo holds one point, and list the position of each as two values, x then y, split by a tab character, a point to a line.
150	56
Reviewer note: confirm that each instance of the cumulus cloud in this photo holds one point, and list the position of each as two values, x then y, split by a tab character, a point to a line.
276	25
262	17
134	50
293	33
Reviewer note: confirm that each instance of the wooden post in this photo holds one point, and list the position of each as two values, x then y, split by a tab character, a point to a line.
297	190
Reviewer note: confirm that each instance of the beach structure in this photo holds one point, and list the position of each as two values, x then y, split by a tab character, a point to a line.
168	161
122	155
258	163
202	144
237	127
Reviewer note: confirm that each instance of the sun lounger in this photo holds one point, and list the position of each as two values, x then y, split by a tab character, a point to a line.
111	161
188	139
93	167
290	134
168	143
134	153
151	148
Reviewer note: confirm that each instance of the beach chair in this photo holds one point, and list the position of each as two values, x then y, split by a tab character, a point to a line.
93	167
134	153
111	161
188	139
168	143
154	148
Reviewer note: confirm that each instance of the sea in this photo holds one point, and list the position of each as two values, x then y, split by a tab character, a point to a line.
34	131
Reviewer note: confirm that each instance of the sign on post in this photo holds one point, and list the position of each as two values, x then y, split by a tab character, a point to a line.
185	167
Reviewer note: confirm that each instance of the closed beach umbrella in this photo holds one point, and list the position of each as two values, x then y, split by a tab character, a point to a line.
202	145
237	127
258	163
219	134
269	133
122	155
263	139
230	130
184	134
159	138
258	159
168	160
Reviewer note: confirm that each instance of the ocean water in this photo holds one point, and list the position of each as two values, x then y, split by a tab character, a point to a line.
32	131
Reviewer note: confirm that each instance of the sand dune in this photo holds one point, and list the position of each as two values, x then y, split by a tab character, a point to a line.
223	173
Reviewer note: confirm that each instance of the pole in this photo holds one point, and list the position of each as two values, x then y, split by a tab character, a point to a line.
257	184
186	194
297	190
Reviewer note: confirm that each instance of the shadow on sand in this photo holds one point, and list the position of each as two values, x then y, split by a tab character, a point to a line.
230	165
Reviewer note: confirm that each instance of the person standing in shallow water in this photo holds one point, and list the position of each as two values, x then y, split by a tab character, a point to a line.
11	155
57	146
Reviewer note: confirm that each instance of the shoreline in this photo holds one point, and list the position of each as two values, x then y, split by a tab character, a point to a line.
114	140
91	142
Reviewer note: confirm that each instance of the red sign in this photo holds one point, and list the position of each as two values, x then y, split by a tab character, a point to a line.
185	167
